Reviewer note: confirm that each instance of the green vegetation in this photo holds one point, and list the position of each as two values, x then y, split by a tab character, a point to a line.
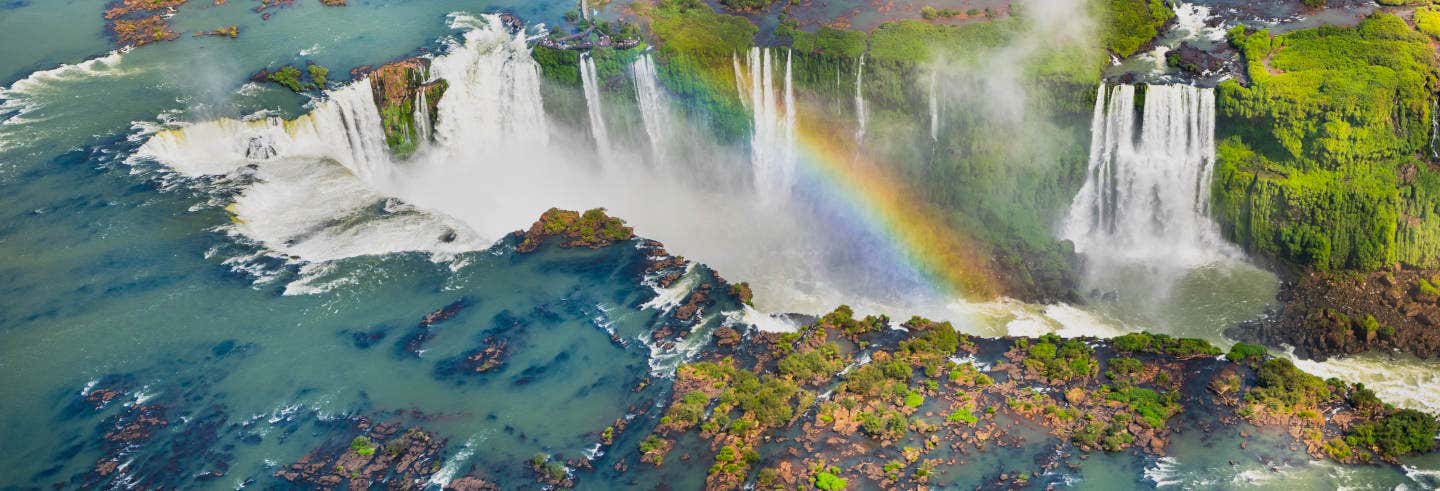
1110	436
814	365
746	5
696	48
362	446
1058	359
1427	20
932	13
1161	344
1316	164
1132	23
828	481
1401	433
590	229
1246	353
1285	390
1123	370
317	75
962	415
1152	408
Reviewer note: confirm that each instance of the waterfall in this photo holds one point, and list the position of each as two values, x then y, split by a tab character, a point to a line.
652	103
1434	128
585	9
860	115
422	116
591	85
1146	198
493	100
934	110
773	140
739	79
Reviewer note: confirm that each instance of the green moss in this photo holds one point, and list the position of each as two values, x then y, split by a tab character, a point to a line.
1427	20
829	482
1242	352
1144	342
962	415
1316	163
1129	24
362	446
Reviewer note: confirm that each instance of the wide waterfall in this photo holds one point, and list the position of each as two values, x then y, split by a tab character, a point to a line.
1147	193
772	145
651	100
344	128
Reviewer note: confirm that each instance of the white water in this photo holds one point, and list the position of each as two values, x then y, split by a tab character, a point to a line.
591	86
772	146
1147	194
653	106
861	116
423	129
17	98
934	109
1401	380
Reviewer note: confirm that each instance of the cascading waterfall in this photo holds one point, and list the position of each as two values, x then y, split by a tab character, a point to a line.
345	128
934	109
861	118
491	69
1146	198
591	85
773	141
652	103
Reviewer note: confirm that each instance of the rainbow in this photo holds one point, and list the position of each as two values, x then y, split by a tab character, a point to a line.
918	232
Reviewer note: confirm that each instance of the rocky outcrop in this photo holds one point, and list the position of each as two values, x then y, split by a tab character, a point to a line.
593	229
1330	314
384	455
408	102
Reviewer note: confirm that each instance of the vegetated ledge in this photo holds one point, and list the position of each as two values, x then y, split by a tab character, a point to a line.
901	406
896	398
1325	165
140	22
593	229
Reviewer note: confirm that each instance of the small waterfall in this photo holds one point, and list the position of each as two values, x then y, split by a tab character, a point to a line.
422	116
592	105
861	118
1147	198
585	9
1435	129
773	140
652	103
739	80
934	110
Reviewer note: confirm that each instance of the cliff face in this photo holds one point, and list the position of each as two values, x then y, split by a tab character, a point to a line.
1320	163
400	89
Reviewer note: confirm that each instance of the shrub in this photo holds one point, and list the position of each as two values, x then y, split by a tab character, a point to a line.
362	446
1402	433
829	482
1245	352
